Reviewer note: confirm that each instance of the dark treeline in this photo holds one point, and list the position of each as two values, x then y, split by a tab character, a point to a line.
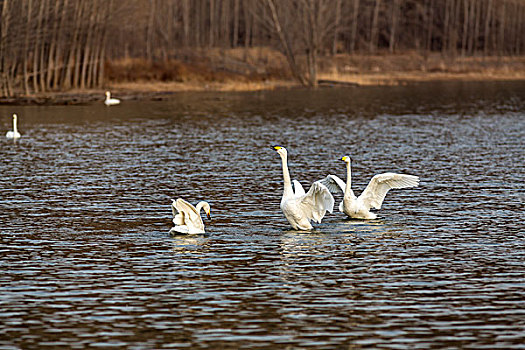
54	45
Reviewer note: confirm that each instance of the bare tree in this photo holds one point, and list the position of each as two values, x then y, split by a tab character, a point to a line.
353	38
337	25
63	44
374	27
393	28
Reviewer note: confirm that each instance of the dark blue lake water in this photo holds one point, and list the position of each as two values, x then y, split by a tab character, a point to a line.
85	196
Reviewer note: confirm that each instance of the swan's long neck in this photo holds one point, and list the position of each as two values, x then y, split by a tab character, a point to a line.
288	190
348	189
15	128
199	206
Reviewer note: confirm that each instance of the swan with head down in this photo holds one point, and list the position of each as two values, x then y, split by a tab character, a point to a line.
187	218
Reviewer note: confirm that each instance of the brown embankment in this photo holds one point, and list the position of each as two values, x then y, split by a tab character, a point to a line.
262	69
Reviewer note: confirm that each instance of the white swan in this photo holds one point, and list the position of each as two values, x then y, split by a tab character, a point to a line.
111	101
300	208
13	134
187	218
372	196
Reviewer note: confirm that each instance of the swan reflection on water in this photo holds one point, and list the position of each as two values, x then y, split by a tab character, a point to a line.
364	227
336	233
190	244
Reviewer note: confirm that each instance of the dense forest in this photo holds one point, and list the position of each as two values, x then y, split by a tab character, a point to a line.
56	45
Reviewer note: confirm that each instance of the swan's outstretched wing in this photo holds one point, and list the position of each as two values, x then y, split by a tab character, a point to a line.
375	192
190	215
334	183
316	202
299	190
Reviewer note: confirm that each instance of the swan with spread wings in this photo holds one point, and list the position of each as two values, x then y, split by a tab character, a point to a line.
187	218
300	207
372	196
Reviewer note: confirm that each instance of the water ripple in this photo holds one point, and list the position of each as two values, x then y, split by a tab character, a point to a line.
87	261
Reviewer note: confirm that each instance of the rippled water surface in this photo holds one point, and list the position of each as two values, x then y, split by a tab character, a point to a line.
87	261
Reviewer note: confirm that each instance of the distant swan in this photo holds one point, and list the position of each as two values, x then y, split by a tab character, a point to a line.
299	207
372	196
111	101
13	134
187	218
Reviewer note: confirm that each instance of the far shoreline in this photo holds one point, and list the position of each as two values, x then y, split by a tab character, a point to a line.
157	90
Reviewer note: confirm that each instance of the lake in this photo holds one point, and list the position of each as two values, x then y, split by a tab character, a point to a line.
87	261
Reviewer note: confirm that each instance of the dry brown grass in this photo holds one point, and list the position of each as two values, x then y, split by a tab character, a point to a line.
265	68
214	65
402	68
133	70
231	85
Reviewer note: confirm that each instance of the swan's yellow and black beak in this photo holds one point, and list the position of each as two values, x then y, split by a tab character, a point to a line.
277	147
344	158
208	215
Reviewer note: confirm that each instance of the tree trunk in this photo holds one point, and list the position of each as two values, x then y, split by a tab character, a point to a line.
67	81
464	34
52	46
374	28
44	38
4	27
39	41
311	23
26	47
477	19
337	26
248	20
149	33
235	40
211	41
455	32
102	55
88	45
198	25
95	47
486	40
519	29
80	45
186	22
290	57
59	58
353	36
446	27
395	19
224	32
501	39
430	26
